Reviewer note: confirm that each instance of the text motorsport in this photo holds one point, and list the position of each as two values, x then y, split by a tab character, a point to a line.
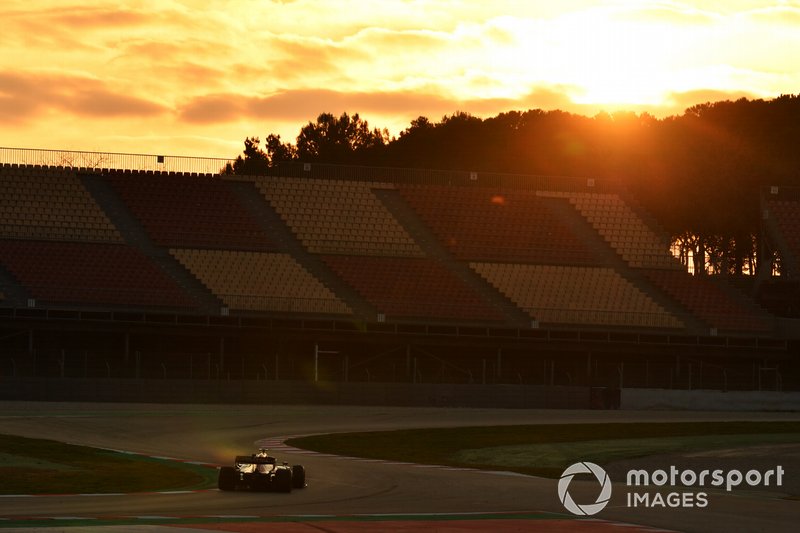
678	479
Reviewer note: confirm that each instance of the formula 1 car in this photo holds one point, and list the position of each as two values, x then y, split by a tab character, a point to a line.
260	471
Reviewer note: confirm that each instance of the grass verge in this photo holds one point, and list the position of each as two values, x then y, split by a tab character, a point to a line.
39	466
545	450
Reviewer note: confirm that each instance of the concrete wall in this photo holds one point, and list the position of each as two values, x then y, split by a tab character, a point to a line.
710	400
398	394
293	392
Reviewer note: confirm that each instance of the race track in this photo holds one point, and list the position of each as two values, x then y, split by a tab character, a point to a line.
345	494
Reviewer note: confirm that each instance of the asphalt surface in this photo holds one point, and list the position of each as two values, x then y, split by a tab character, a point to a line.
340	487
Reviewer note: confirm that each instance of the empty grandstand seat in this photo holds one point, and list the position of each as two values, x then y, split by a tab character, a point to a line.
83	273
706	300
780	296
411	288
576	295
52	204
625	231
185	211
483	224
333	216
258	281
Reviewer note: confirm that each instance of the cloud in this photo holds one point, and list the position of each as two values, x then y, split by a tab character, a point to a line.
81	18
380	57
543	97
214	108
192	67
407	40
683	100
71	30
154	50
668	13
305	104
783	15
99	102
291	58
13	109
35	93
301	105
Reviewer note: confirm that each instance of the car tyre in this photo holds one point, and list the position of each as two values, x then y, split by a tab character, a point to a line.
227	478
283	480
298	476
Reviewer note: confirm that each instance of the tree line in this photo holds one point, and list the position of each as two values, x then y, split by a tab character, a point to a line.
700	173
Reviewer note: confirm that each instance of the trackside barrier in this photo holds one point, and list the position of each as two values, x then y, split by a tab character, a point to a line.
710	400
294	392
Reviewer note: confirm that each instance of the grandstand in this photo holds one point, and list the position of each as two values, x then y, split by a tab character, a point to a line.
409	276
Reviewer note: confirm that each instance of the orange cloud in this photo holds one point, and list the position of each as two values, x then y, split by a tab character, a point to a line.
81	18
218	71
301	105
33	94
681	101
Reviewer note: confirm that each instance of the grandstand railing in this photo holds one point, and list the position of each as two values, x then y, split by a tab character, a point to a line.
63	297
215	165
419	176
112	160
781	193
604	317
283	304
427	309
59	233
60	296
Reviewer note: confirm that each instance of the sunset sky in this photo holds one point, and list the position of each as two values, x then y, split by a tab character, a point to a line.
195	77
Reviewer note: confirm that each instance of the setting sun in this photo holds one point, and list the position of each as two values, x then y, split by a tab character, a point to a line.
618	63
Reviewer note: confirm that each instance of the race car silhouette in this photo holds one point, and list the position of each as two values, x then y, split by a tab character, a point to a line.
260	471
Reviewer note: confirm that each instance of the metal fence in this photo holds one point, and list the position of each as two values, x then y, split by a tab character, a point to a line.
111	160
214	165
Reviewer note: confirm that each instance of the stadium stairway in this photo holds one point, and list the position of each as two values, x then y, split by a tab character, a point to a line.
270	222
429	244
607	256
13	293
134	235
743	297
644	215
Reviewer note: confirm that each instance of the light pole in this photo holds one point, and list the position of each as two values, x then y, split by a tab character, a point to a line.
317	353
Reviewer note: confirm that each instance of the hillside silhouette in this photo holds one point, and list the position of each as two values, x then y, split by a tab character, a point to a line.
700	173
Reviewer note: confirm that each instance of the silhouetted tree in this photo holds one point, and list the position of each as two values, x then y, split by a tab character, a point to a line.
338	140
278	151
253	160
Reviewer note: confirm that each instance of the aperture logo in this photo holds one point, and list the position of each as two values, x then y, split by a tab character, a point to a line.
584	509
665	488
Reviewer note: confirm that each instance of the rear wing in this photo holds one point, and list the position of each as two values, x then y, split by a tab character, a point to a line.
252	460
